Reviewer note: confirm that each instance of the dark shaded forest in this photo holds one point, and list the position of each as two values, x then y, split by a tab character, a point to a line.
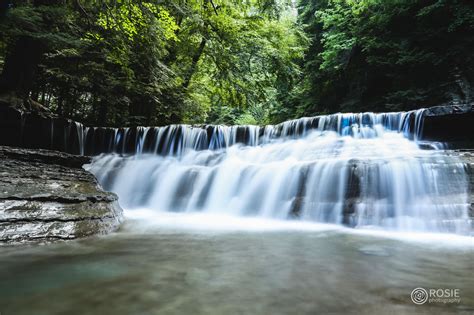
157	62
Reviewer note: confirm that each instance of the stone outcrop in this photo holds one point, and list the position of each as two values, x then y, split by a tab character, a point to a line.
33	130
453	125
47	195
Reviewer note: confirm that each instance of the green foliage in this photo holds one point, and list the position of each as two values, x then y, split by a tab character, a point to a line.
385	55
158	62
161	62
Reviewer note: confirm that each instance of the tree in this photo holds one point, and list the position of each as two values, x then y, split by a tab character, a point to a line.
152	62
374	55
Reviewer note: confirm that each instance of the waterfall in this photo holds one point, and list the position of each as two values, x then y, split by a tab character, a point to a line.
179	139
359	170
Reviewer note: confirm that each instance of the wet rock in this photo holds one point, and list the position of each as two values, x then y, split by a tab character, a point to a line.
296	207
449	110
453	125
47	195
38	131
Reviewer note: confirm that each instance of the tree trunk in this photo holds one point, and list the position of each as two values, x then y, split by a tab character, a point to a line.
200	50
194	63
20	67
102	117
22	61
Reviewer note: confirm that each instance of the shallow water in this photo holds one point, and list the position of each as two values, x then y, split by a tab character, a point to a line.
175	264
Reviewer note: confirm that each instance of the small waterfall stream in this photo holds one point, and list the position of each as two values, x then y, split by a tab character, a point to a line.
359	170
179	139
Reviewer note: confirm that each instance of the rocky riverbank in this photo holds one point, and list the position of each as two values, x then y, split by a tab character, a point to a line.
47	196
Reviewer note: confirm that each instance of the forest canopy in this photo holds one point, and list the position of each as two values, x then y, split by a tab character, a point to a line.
157	62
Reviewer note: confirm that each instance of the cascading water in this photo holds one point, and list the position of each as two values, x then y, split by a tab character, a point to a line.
179	139
360	170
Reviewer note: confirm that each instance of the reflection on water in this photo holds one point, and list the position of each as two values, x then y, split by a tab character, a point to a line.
149	268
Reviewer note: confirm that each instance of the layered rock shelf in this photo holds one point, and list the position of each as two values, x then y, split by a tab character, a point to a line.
47	196
453	125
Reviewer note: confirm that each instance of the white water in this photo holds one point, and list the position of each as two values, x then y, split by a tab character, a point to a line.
363	176
179	139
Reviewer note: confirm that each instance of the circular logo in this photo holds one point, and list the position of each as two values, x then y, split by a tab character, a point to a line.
419	296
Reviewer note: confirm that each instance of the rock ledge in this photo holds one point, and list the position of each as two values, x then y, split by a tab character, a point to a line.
47	196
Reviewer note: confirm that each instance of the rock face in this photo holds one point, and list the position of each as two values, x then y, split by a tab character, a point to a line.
34	131
47	195
453	125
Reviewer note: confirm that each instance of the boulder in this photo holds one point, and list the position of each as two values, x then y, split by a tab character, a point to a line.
47	195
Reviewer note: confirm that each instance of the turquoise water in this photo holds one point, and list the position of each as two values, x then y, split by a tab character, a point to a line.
176	267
